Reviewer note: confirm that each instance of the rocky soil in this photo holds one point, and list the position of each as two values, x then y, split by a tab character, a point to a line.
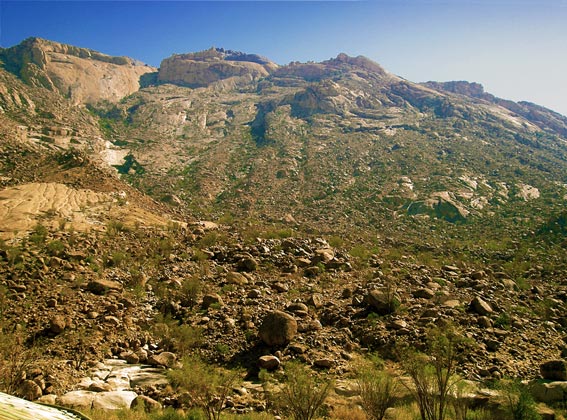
84	297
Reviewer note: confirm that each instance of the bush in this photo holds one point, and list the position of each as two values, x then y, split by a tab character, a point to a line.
15	360
377	390
302	394
434	375
208	388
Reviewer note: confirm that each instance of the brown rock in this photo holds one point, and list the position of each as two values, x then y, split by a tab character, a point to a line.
57	324
268	362
480	306
30	390
212	299
278	328
236	278
316	300
554	370
102	286
148	403
382	303
424	293
165	358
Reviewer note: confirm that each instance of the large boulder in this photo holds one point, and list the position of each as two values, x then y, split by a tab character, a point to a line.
114	400
278	328
554	370
382	302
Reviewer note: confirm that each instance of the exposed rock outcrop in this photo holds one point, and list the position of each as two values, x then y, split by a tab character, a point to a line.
206	67
83	75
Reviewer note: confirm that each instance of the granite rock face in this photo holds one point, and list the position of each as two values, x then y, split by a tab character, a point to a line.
83	75
206	67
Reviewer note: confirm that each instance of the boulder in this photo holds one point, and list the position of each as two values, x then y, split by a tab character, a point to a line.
77	399
30	390
381	302
424	293
165	358
236	278
102	286
212	299
114	400
247	263
548	392
148	403
554	370
278	328
480	307
268	362
57	324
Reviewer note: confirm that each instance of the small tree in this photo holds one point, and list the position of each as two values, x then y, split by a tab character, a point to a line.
377	390
302	394
207	387
434	375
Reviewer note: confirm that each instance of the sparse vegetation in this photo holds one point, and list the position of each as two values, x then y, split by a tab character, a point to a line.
207	387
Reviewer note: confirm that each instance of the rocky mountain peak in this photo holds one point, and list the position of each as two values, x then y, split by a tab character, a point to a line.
82	74
359	61
200	69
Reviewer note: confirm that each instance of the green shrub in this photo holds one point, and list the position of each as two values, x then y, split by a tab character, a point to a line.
302	395
377	390
207	387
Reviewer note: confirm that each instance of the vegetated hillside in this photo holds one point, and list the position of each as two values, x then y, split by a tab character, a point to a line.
344	146
370	209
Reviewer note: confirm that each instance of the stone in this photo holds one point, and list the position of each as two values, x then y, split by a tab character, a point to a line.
131	357
480	307
297	307
234	277
278	328
113	400
548	392
324	363
50	399
57	324
148	403
165	358
382	303
280	287
268	362
212	299
30	390
77	399
554	370
315	300
254	294
424	293
102	286
247	264
100	386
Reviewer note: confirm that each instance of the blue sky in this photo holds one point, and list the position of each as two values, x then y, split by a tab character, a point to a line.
516	48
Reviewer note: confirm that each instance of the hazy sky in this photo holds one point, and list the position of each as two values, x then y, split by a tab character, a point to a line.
516	48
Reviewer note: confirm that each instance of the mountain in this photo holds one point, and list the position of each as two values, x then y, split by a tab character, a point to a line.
148	214
80	74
